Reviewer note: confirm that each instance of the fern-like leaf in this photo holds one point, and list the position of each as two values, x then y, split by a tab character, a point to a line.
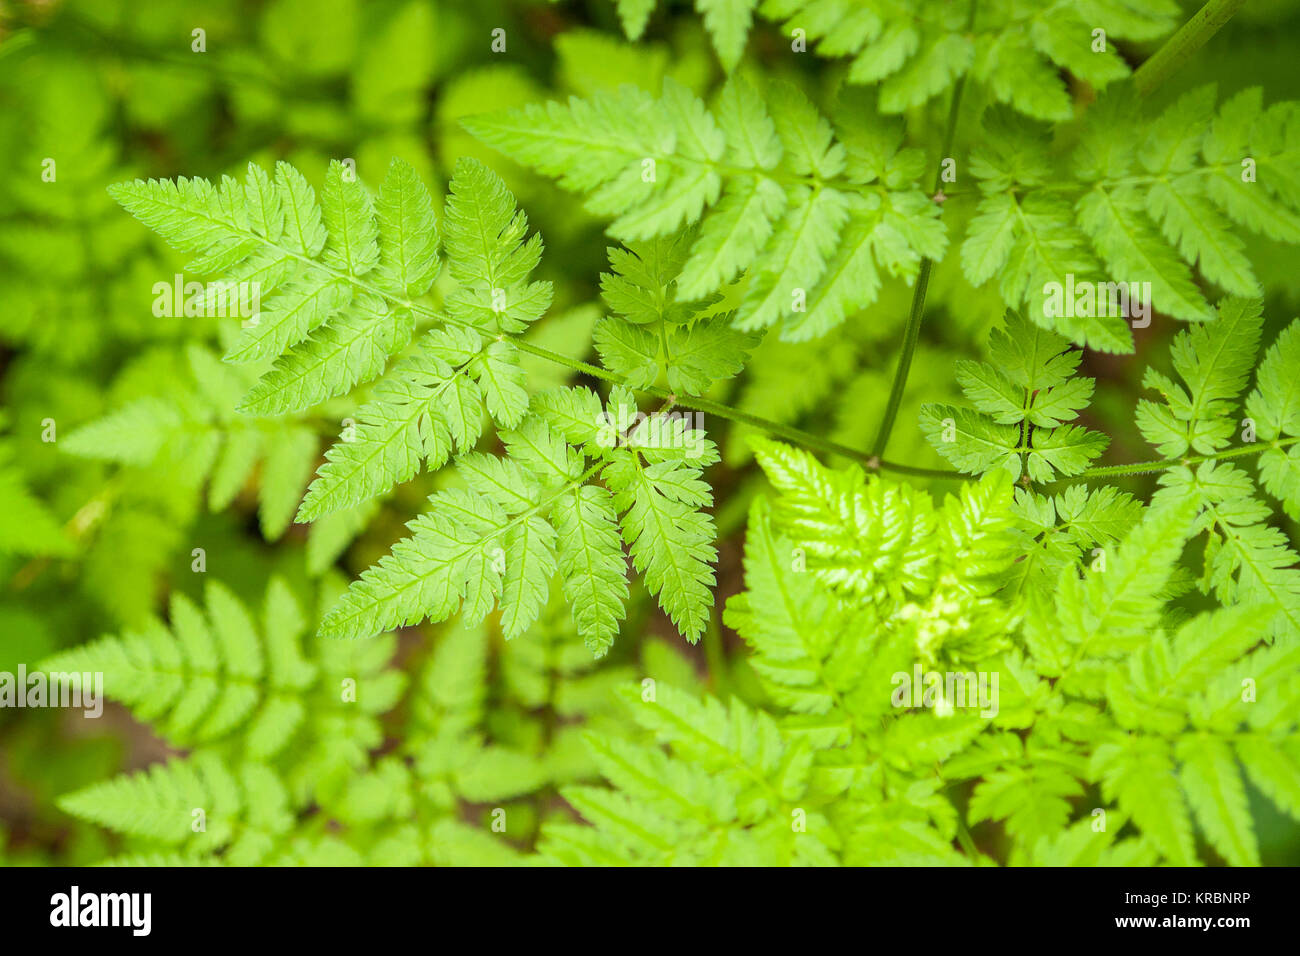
810	218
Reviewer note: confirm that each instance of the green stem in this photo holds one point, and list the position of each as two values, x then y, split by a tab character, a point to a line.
912	332
910	336
1149	467
1179	48
966	841
788	432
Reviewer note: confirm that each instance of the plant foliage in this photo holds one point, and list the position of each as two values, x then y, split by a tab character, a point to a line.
892	457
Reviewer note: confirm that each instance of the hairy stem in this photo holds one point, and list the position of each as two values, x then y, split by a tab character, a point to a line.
1179	48
1149	467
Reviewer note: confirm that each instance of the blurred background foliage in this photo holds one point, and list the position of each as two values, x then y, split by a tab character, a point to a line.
99	543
